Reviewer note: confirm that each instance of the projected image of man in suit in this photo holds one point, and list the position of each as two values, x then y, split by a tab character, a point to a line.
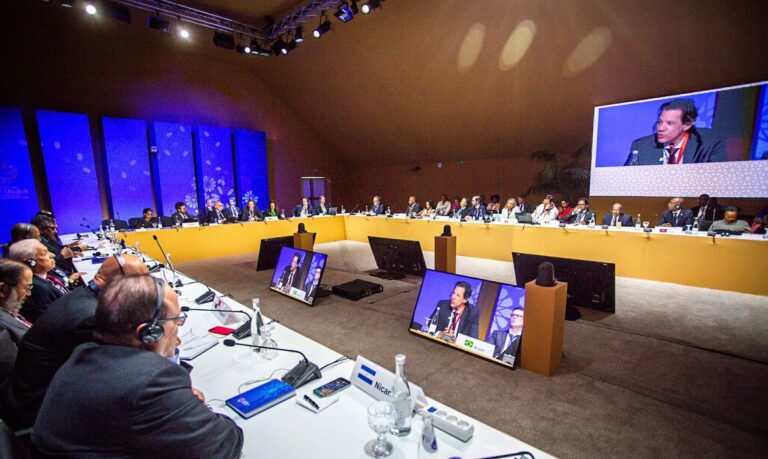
457	315
507	342
311	287
291	275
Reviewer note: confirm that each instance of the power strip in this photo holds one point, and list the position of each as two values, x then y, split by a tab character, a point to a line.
450	423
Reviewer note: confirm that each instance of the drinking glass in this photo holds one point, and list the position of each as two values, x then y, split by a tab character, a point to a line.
645	224
268	342
381	418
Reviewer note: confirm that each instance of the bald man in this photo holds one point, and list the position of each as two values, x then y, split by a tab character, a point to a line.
67	323
676	215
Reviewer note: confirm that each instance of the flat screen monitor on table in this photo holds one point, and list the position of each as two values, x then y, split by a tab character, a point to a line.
298	274
397	257
481	317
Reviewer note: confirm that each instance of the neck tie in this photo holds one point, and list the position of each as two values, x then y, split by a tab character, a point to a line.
21	318
614	220
57	284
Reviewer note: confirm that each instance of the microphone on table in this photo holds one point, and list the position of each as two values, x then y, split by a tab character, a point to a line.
304	371
187	308
168	262
354	209
206	297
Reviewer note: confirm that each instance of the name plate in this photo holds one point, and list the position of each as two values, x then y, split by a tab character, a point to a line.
222	311
190	225
377	382
474	345
271	219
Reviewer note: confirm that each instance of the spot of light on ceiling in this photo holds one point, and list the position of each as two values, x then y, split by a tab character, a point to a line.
517	45
588	51
471	47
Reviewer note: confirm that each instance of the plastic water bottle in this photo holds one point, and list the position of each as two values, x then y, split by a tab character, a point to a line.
695	226
282	214
638	223
633	161
111	226
401	398
428	442
592	221
389	211
433	322
256	323
342	209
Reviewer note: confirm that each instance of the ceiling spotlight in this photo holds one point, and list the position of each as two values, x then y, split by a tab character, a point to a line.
322	29
260	49
184	33
279	47
158	23
243	49
344	13
90	8
299	35
370	5
290	46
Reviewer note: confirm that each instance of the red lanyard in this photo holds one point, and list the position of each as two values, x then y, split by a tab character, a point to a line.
679	158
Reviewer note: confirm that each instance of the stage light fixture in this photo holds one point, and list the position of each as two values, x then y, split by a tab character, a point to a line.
90	8
243	49
158	23
324	27
223	40
299	35
353	7
261	49
344	13
370	5
67	3
279	47
184	33
290	46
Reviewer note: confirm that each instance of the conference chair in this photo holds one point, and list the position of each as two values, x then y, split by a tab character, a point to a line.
119	224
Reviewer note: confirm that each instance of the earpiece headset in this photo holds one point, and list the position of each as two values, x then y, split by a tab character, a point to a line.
32	263
151	330
26	231
120	262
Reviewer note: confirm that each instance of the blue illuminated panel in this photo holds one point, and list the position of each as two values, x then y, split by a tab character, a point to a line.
216	159
176	167
68	156
18	198
130	182
251	167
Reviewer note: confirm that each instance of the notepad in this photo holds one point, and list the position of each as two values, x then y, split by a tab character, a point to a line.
261	398
196	345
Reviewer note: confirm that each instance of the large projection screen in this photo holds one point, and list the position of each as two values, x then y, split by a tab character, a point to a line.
725	155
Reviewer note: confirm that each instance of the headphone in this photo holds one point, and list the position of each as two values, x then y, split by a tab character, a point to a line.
120	262
151	330
32	263
26	231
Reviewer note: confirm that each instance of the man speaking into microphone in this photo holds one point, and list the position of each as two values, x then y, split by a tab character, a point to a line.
457	315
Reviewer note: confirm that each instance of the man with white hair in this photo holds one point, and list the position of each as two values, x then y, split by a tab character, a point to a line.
46	287
15	287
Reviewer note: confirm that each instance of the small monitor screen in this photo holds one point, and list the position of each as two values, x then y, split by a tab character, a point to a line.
298	274
478	316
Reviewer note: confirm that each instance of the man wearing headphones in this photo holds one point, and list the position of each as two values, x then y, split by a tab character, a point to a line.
121	396
66	324
457	315
15	286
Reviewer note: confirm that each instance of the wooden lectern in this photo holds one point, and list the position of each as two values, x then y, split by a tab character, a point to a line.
445	253
303	241
544	323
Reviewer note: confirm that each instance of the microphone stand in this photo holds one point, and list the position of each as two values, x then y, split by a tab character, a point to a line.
177	283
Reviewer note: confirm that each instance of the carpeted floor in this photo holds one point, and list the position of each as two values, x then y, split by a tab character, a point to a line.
676	372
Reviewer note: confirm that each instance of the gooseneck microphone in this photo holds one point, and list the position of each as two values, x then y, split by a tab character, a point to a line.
187	308
304	371
167	261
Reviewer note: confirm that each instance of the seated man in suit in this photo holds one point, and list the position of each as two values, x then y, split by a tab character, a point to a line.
303	209
66	324
310	288
232	212
378	207
121	396
581	215
15	287
456	315
217	216
676	215
677	140
413	206
291	275
203	217
464	210
507	342
181	215
478	210
146	220
251	212
731	222
546	211
322	207
707	210
617	217
64	254
524	206
47	288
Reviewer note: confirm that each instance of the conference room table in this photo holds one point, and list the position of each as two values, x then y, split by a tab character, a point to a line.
289	430
736	263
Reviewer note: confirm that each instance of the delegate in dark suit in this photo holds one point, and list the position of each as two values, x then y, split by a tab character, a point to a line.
296	282
179	218
44	349
215	216
378	209
579	218
311	290
478	213
525	207
499	341
711	213
117	402
298	210
43	294
683	218
62	263
230	212
12	330
625	220
254	214
702	147
468	324
414	208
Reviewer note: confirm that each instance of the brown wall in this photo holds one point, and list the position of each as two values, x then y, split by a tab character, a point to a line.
61	59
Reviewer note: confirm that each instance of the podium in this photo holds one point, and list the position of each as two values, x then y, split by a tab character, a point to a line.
542	345
303	241
445	254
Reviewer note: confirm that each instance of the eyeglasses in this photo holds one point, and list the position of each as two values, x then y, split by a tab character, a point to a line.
180	319
28	288
517	316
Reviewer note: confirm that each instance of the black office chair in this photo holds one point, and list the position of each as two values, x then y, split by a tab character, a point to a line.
166	221
119	224
134	222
